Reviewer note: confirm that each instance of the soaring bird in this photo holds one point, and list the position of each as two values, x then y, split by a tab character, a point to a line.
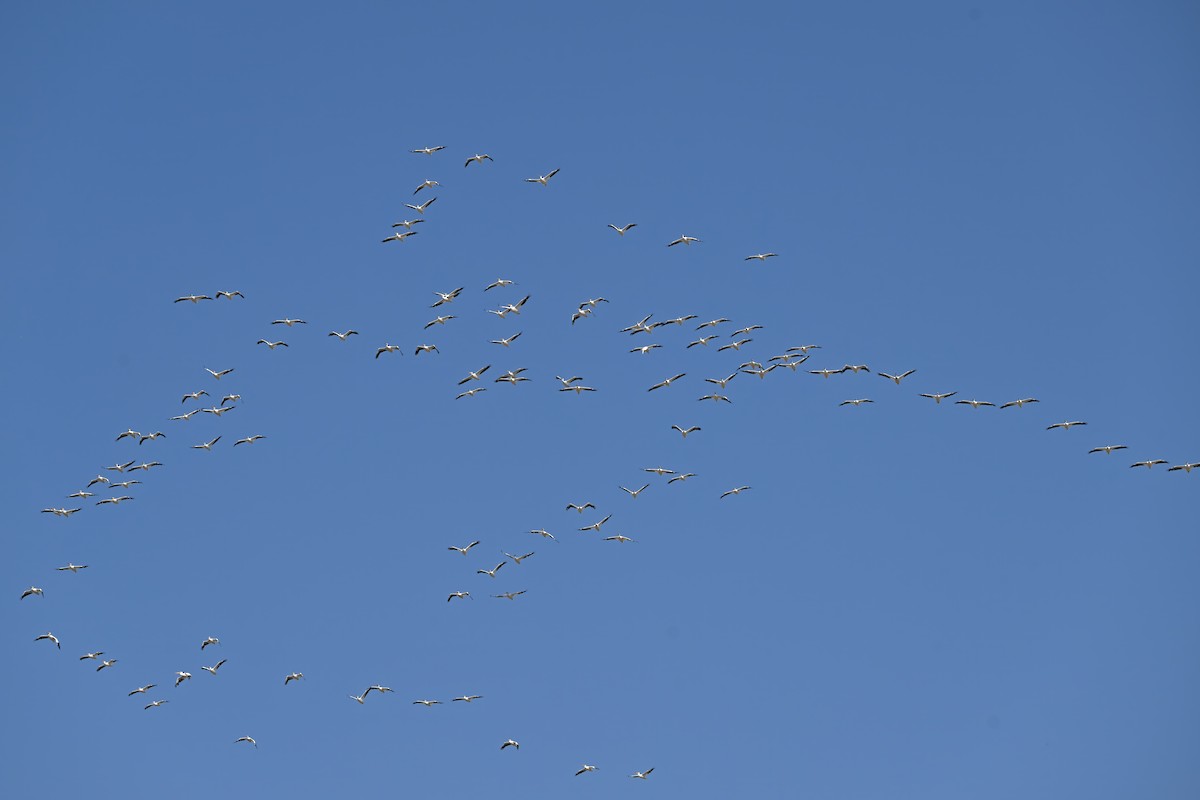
192	298
511	743
545	534
543	179
439	320
683	240
80	494
343	336
131	433
399	237
586	768
272	345
421	208
116	500
1108	448
180	677
760	256
619	538
509	595
447	297
249	439
426	348
407	224
721	381
715	398
704	340
642	775
856	403
106	664
735	345
1148	464
208	641
150	437
633	492
1020	403
1066	426
218	374
120	467
289	322
427	703
206	445
467	698
388	348
194	396
974	403
380	689
230	295
49	637
577	507
156	704
659	471
711	323
32	590
142	689
624	230
478	158
295	676
91	656
428	150
73	568
737	490
499	283
577	388
474	376
1183	467
426	185
938	398
686	431
517	559
666	382
595	526
897	378
490	572
60	512
646	348
463	550
470	392
682	477
123	484
459	595
246	739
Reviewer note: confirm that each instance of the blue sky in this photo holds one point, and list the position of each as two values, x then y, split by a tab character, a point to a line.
913	600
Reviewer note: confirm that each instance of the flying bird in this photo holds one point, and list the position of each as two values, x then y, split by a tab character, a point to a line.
577	507
249	439
1108	448
1020	403
459	595
511	743
343	336
633	492
683	240
428	150
32	590
230	295
218	374
181	677
142	689
682	477
856	403
897	378
50	637
426	348
192	298
463	550
208	641
272	345
470	392
585	768
295	676
421	208
938	398
1066	426
388	348
595	526
427	703
73	568
666	382
474	376
206	445
246	739
440	320
156	704
490	572
508	341
447	297
117	500
642	775
619	538
624	230
1183	467
517	559
398	236
467	698
426	185
478	158
686	431
760	257
407	224
543	179
1148	464
974	403
498	283
509	595
738	490
289	322
106	664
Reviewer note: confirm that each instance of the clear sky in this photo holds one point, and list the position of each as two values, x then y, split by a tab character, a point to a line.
914	600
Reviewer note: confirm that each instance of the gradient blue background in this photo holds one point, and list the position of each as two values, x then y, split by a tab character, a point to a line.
914	601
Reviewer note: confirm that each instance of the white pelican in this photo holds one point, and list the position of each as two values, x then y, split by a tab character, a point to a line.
490	572
91	656
156	704
666	382
825	373
498	283
803	348
747	329
738	490
213	669
388	348
734	345
683	240
426	185
208	641
98	479
595	526
1148	464
115	500
515	308
407	224
511	743
32	590
60	512
440	320
513	379
642	775
380	689
1066	426
358	698
577	507
619	538
150	437
142	689
459	595
704	340
421	208
721	381
1184	467
792	364
426	348
467	698
81	494
856	368
659	471
447	297
1108	448
120	467
856	403
123	484
678	320
72	568
586	768
145	466
682	477
507	341
974	403
193	298
399	237
343	336
543	179
246	739
1020	403
760	256
230	295
194	396
181	677
106	664
427	703
938	398
633	492
715	398
711	323
897	378
580	313
624	230
545	534
218	374
50	637
428	150
474	376
206	445
646	349
272	345
478	158
463	550
640	326
249	439
760	371
509	595
470	392
517	559
218	410
295	676
131	433
289	322
686	431
577	388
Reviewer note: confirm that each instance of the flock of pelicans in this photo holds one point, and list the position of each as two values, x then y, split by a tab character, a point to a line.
790	359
